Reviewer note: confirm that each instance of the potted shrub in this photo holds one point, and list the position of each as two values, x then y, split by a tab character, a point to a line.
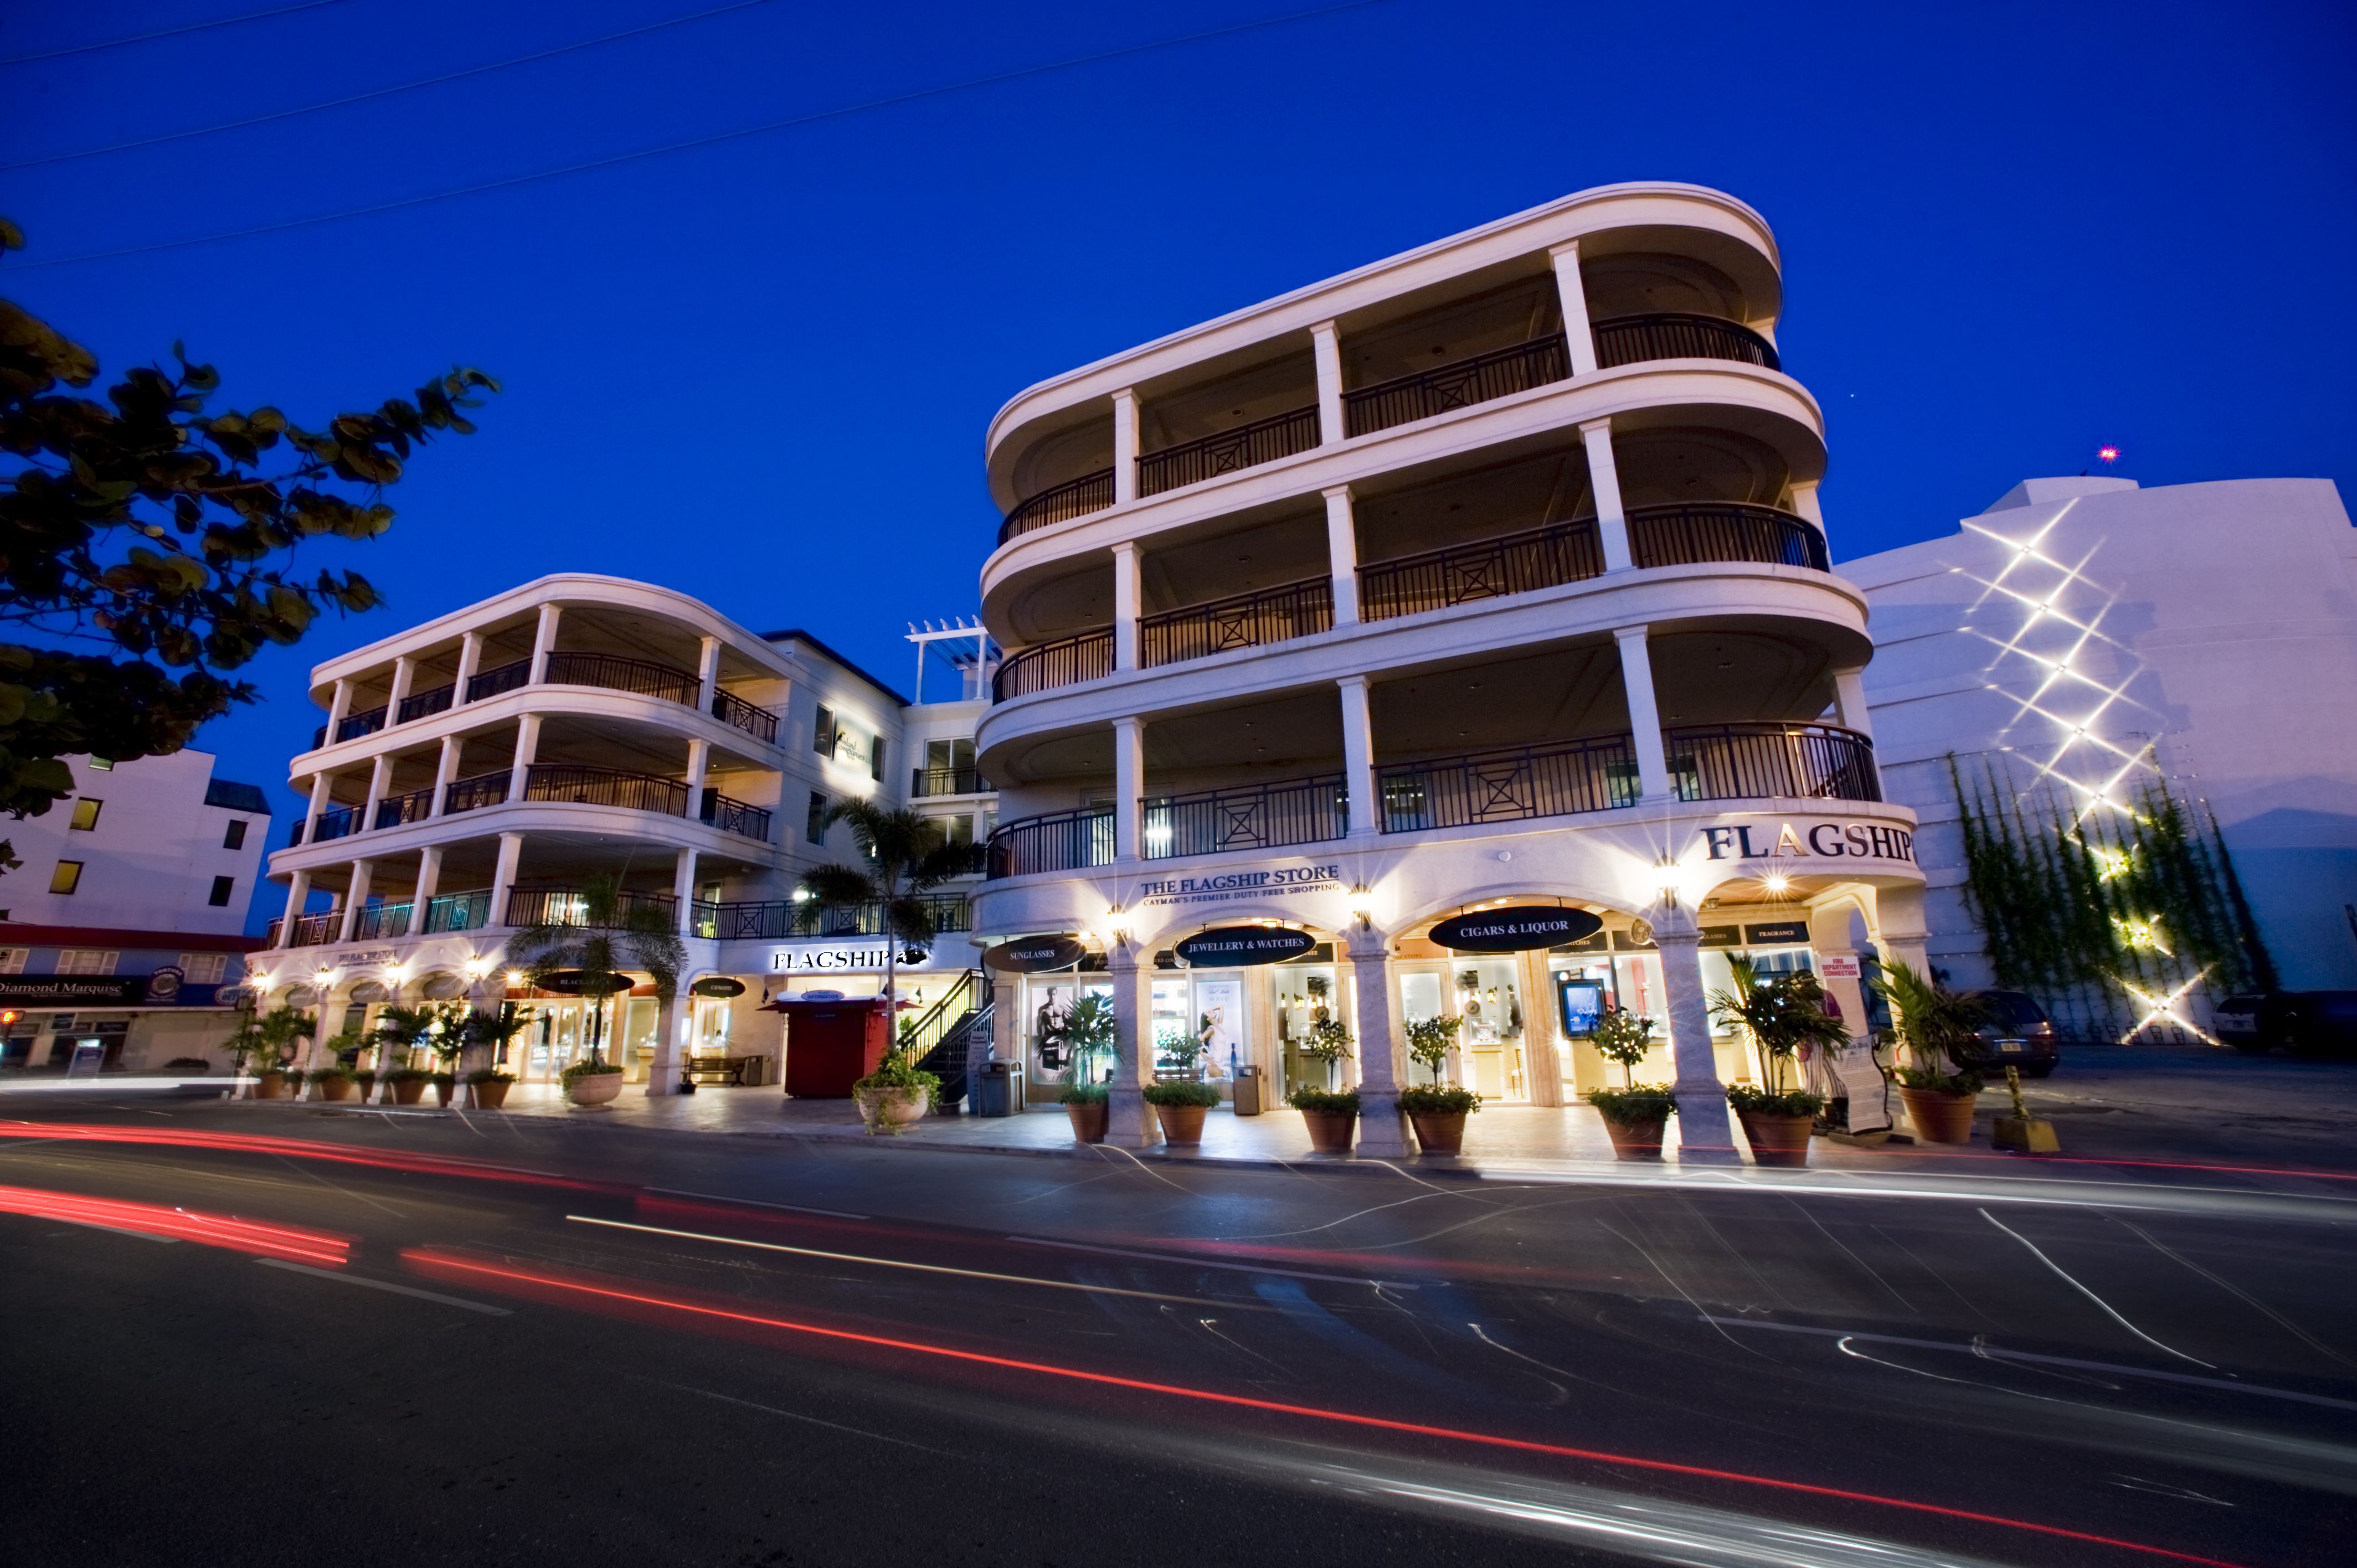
1634	1118
490	1086
1330	1117
1930	1020
364	1081
334	1081
1437	1112
1084	1033
589	1083
1776	1123
1180	1108
896	1094
408	1084
1781	1015
446	1088
1329	1042
269	1080
1430	1041
1087	1105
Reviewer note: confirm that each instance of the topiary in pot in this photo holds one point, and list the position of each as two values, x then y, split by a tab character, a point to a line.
1437	1112
1635	1117
590	1084
1180	1108
1089	1106
1776	1125
1330	1116
896	1094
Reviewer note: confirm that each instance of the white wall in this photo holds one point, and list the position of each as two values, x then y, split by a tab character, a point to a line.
2215	624
149	864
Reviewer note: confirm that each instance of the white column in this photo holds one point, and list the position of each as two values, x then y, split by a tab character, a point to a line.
1382	1129
1124	447
1604	480
1326	347
319	786
1577	333
1805	504
671	1018
404	675
1128	786
298	893
1359	758
682	890
429	882
379	779
1129	1122
504	877
1127	602
1342	554
446	769
1653	781
1849	702
707	673
470	658
355	895
699	763
339	708
527	747
1704	1137
1899	934
544	640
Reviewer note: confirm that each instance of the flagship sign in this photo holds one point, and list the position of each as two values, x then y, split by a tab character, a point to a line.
854	956
1035	955
1253	883
1515	930
1810	841
1233	947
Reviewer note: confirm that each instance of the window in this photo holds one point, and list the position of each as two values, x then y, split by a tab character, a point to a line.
85	815
86	960
823	736
205	967
11	960
235	837
957	829
221	888
875	759
65	877
814	827
102	764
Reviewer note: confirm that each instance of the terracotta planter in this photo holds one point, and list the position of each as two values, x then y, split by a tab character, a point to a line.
1776	1140
1181	1123
269	1085
1939	1118
593	1089
443	1091
884	1110
491	1096
1330	1131
1438	1131
1088	1122
410	1091
336	1088
1637	1140
364	1085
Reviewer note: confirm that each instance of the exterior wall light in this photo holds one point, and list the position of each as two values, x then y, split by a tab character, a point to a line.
1116	927
1777	883
1363	908
1667	875
515	977
477	968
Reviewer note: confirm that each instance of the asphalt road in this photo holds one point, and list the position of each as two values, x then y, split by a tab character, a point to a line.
312	1336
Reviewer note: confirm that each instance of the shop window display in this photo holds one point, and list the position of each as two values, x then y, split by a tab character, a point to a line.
1306	995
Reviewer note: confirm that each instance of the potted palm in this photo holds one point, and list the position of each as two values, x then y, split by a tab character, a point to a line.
1930	1022
1084	1032
1437	1110
1181	1106
1330	1116
399	1032
270	1040
1634	1116
488	1086
489	1033
1779	1015
603	938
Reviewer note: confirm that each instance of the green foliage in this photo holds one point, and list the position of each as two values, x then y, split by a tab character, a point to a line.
1780	1015
420	1075
1625	1037
1173	1042
1934	1023
1327	1041
897	1071
1181	1093
269	1039
400	1030
489	1075
613	936
1085	1033
334	1072
187	1065
344	1047
1638	1105
1438	1100
1430	1041
587	1066
1330	1102
1773	1103
1084	1094
494	1030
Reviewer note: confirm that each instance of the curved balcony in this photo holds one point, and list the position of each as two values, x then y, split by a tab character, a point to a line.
474	793
1598	774
778	919
1694	535
1460	385
643	792
1756	761
1045	666
565	907
1090	492
1065	841
414	806
607	671
1512	564
1255	816
1632	340
1246	621
1246	447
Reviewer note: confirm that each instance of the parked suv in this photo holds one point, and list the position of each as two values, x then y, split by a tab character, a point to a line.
2318	1023
2017	1033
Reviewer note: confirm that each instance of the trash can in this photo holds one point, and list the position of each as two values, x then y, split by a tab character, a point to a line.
1251	1090
999	1090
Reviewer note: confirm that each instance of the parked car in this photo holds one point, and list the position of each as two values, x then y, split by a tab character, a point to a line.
2313	1023
2016	1034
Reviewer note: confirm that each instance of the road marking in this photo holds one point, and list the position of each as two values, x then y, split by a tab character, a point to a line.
793	1416
1186	1261
116	1230
756	1203
484	1307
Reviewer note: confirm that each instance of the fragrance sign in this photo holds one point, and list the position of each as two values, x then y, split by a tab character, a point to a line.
1276	882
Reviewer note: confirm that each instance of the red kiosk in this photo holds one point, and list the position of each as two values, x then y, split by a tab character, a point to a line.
832	1043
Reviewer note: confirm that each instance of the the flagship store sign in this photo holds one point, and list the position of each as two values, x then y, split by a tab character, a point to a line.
857	956
1270	882
1803	840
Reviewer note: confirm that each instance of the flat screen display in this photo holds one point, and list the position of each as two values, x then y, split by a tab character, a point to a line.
1581	1000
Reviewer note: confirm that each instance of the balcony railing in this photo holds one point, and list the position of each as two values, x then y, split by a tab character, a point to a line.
358	724
1593	775
732	816
606	787
1756	761
1460	384
1686	535
1512	564
1048	665
1090	492
924	781
496	683
425	704
1628	339
310	930
1068	841
471	794
777	918
567	906
1247	621
414	806
611	673
737	714
341	822
1246	447
457	912
382	921
1259	816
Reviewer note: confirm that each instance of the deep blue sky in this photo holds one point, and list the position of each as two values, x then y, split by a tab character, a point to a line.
760	371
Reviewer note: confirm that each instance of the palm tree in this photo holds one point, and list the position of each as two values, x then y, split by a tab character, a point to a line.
1933	1022
492	1032
1781	1013
907	857
612	937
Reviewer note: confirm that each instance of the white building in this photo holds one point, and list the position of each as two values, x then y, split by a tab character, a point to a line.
1488	574
2083	638
476	771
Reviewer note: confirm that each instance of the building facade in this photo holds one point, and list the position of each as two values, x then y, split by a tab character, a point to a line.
1488	577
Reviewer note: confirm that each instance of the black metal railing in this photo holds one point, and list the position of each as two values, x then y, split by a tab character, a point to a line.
358	724
1628	339
312	930
969	859
778	917
414	806
737	714
382	921
457	912
470	794
1090	492
1593	775
732	816
1247	621
1760	761
1460	385
1067	840
923	781
606	787
1246	447
341	822
1686	535
570	906
425	704
1258	816
494	682
640	677
1511	563
1047	665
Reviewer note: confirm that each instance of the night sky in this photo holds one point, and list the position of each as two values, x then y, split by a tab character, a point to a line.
760	370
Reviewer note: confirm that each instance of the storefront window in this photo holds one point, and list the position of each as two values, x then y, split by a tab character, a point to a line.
1048	1002
1306	994
1489	1043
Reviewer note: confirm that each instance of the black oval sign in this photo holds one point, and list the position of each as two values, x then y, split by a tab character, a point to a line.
1233	947
564	983
1035	955
718	985
1517	929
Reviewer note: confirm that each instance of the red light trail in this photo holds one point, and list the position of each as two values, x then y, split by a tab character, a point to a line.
290	1242
293	1148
